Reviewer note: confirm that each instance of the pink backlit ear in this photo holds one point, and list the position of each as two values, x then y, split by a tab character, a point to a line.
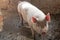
34	20
48	17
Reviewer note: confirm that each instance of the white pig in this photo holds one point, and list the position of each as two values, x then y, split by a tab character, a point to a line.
36	19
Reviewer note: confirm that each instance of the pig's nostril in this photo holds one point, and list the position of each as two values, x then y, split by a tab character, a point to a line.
43	33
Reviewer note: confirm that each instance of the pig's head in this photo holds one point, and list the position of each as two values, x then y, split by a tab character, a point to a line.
41	23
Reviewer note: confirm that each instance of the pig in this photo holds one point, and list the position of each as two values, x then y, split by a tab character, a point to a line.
36	19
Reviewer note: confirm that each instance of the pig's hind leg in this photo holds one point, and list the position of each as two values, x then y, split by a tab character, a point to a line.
21	21
33	34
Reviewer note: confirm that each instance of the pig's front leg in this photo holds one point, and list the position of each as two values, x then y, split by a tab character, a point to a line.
33	32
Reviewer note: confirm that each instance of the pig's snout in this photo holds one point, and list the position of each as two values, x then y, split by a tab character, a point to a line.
44	33
44	30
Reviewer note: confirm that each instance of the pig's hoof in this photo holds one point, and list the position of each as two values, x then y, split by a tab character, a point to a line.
19	26
39	35
33	36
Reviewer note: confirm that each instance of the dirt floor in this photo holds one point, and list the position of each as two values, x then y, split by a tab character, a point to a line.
16	35
12	31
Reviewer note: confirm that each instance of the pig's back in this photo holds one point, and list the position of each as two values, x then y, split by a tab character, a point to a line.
28	11
24	9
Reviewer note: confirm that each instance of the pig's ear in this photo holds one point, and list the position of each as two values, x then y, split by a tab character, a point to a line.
33	20
48	18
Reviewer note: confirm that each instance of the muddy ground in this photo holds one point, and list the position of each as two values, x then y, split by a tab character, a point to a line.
12	31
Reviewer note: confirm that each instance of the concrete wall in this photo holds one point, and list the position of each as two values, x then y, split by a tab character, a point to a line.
52	6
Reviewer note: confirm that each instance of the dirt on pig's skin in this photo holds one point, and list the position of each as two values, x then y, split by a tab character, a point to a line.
11	31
